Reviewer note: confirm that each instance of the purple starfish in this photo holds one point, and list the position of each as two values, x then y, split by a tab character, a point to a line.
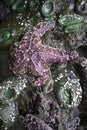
33	123
30	55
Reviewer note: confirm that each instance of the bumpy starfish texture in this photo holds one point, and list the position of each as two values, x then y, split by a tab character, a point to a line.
33	123
30	55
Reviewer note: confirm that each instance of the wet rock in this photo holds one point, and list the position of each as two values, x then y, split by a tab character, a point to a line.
4	11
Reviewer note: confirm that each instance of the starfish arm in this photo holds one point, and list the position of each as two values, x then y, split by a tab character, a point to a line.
40	70
51	54
18	68
42	28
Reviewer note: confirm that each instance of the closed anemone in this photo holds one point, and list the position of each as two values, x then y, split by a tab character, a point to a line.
48	8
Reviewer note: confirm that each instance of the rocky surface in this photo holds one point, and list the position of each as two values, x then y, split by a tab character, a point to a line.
39	105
